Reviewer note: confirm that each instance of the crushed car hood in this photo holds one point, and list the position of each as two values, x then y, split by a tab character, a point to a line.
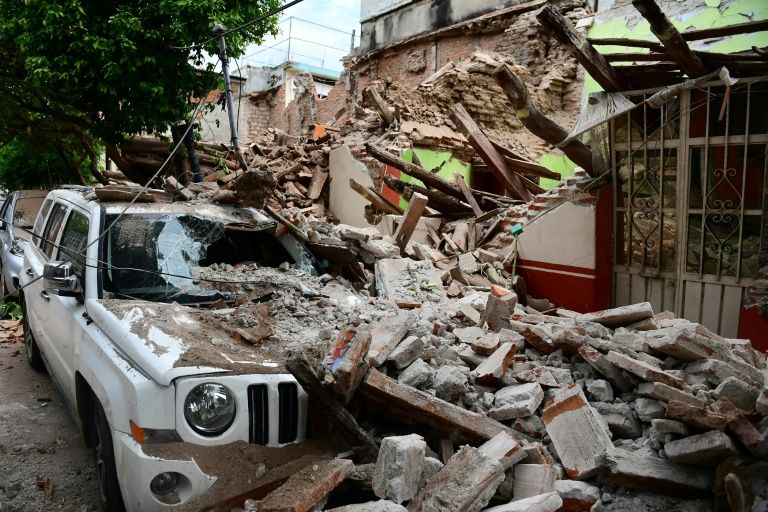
167	341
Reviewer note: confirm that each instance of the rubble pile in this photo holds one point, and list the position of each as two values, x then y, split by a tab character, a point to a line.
562	411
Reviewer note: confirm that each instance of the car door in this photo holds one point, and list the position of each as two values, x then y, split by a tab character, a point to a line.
65	331
37	301
5	238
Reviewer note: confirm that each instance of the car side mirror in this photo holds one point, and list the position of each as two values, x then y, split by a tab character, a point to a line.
60	278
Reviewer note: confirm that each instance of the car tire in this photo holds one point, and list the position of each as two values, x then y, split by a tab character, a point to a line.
104	458
34	358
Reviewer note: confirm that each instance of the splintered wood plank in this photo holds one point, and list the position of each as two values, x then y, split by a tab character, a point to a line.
380	105
423	407
410	219
308	487
586	55
536	122
319	178
468	194
488	153
672	40
373	199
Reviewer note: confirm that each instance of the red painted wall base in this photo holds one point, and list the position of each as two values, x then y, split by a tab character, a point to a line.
754	327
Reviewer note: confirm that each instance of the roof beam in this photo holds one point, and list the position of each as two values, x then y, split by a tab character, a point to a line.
729	30
595	64
672	40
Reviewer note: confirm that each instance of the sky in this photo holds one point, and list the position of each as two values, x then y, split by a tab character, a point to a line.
310	43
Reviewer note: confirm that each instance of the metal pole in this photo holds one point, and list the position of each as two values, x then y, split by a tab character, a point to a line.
218	30
290	27
352	42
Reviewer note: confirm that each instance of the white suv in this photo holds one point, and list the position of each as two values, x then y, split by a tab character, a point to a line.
111	311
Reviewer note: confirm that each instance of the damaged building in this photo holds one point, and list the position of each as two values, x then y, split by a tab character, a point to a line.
537	235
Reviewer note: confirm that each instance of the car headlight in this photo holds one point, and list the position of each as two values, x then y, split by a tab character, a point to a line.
17	246
210	409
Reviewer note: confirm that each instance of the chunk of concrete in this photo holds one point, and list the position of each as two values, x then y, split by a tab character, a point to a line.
450	382
620	420
418	375
371	506
386	334
516	401
668	393
741	394
621	316
577	496
487	344
406	352
665	426
708	449
575	431
653	474
762	401
549	502
696	417
600	390
399	467
432	466
644	370
468	335
648	409
533	479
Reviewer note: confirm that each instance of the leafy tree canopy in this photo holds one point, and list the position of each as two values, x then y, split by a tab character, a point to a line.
105	69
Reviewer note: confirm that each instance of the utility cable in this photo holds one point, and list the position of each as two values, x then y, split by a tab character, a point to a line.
239	27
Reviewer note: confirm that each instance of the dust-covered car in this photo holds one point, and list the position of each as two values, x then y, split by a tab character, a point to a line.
166	326
17	217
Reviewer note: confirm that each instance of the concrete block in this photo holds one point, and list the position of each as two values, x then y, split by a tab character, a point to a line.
533	479
668	393
386	334
468	335
577	496
399	467
549	502
708	449
450	382
620	420
466	483
539	374
493	368
487	344
432	466
717	371
696	417
644	370
371	506
621	316
741	394
406	352
418	375
654	474
600	390
648	409
665	426
601	364
516	401
575	431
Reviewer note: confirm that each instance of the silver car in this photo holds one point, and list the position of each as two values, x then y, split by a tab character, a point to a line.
17	218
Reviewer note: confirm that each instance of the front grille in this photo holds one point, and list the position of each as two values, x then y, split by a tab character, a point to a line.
289	412
258	407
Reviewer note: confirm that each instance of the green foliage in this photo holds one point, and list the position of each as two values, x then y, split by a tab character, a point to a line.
10	311
107	69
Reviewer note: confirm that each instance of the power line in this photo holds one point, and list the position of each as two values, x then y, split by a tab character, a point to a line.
239	27
319	25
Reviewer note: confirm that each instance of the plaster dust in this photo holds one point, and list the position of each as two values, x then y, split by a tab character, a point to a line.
239	467
279	310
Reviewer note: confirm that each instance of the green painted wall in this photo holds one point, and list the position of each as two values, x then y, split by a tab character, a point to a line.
558	163
703	14
432	160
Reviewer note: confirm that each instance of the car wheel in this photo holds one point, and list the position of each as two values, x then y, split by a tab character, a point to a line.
104	457
34	358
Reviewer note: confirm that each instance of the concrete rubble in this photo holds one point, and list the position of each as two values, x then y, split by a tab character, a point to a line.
444	386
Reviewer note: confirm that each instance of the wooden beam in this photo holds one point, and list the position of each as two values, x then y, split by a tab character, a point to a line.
459	179
361	442
536	122
595	64
305	489
636	57
410	218
489	154
728	30
380	105
532	186
439	201
373	199
426	408
623	41
429	179
672	40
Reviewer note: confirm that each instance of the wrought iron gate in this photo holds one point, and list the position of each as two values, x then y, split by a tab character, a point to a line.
689	184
